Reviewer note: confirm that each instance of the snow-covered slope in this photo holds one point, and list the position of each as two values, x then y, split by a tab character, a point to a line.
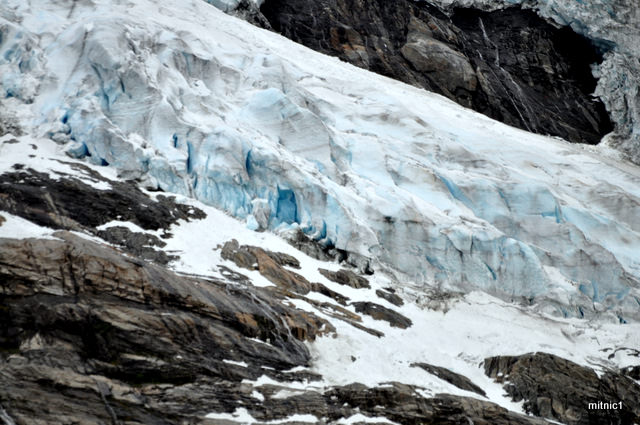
199	103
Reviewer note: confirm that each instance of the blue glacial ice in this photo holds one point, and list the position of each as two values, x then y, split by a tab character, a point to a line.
191	101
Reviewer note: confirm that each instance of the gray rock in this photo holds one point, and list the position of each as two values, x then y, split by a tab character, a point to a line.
391	297
379	312
69	203
451	70
453	378
137	243
346	277
556	388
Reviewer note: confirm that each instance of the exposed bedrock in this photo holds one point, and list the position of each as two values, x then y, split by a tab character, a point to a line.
108	338
556	388
508	64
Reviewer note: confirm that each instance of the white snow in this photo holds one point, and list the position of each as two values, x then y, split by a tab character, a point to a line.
306	418
360	418
15	227
257	395
129	225
47	157
234	362
240	415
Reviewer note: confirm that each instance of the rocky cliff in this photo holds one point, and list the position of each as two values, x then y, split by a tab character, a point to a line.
509	64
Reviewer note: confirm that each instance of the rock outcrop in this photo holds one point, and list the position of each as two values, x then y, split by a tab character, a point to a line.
72	204
379	312
556	388
508	64
90	335
453	378
346	277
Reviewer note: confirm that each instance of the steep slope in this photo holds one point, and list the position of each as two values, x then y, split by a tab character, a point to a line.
252	331
192	101
454	47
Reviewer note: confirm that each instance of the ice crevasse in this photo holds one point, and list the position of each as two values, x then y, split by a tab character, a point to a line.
195	102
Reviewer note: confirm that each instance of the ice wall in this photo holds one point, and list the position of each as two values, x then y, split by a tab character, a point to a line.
192	101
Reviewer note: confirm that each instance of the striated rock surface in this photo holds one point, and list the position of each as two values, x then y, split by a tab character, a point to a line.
612	25
508	64
556	388
458	380
109	336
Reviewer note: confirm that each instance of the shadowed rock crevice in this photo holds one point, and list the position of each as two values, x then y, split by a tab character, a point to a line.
509	64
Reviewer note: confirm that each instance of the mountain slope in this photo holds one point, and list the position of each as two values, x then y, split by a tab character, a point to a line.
415	213
510	65
244	328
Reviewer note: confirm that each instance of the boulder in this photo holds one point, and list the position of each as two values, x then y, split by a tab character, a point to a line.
379	312
453	378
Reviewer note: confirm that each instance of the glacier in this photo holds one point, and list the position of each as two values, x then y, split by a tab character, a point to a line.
192	101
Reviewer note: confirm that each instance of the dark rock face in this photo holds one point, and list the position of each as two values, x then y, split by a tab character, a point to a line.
509	64
400	403
540	74
390	296
559	389
71	204
453	378
88	335
379	312
346	277
137	243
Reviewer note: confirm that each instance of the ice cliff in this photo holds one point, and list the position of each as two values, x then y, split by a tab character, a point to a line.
189	100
